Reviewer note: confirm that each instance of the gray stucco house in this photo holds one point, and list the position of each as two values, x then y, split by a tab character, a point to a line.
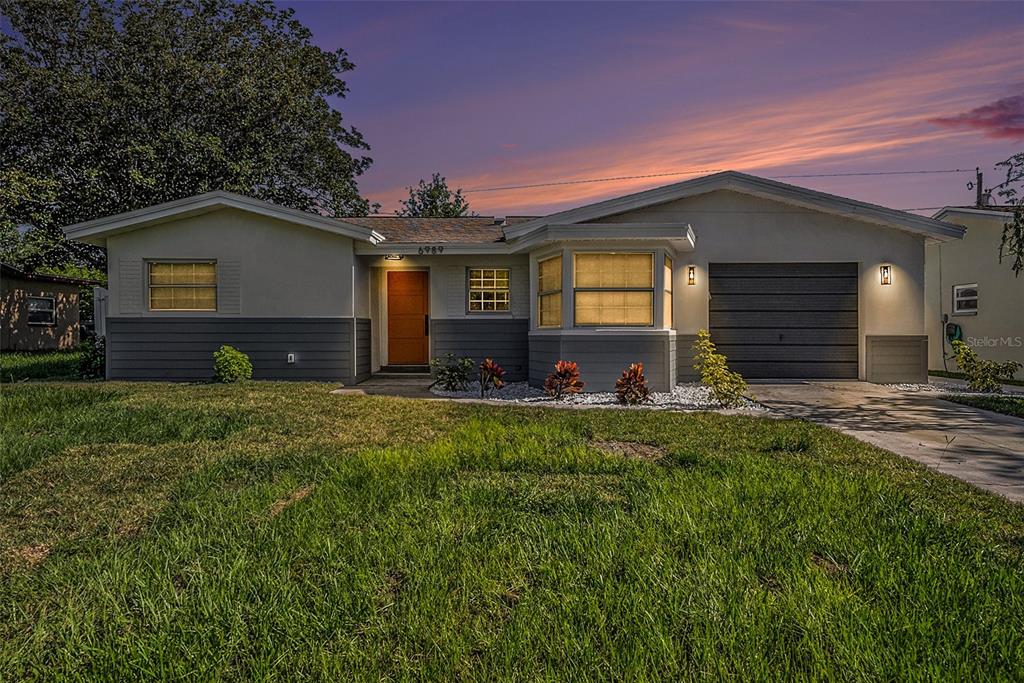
791	282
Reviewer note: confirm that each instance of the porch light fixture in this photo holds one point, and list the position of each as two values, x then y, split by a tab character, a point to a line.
393	257
886	273
691	275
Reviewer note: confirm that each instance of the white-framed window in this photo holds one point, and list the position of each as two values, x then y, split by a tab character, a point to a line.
965	299
613	289
488	290
549	292
42	310
667	304
182	286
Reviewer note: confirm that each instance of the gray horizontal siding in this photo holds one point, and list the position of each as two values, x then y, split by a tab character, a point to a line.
684	358
601	359
181	348
363	343
502	339
896	358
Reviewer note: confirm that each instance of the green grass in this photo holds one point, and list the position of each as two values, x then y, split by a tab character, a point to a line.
960	375
275	531
1006	405
18	366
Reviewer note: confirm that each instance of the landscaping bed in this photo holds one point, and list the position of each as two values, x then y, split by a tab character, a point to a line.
682	397
273	531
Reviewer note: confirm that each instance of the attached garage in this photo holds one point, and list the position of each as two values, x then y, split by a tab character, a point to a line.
786	320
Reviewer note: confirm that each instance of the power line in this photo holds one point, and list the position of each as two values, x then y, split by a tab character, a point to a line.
712	170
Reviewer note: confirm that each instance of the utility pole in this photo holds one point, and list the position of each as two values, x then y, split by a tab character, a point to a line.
979	200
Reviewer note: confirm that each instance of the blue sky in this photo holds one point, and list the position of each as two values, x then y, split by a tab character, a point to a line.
495	94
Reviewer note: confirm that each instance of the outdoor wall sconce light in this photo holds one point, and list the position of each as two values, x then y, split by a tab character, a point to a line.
393	257
886	272
691	275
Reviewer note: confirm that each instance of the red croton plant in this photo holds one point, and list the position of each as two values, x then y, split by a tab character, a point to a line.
632	388
564	380
491	377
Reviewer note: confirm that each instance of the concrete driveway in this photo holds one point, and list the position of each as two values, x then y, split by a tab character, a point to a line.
980	447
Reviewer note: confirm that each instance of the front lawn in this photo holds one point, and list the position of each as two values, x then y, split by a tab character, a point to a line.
276	531
1007	405
18	366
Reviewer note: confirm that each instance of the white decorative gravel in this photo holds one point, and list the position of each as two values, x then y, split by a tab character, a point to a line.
682	397
947	388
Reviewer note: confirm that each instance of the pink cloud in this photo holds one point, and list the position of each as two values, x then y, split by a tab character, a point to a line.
1003	118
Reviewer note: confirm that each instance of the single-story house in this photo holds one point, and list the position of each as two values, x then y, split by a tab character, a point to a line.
792	283
38	312
966	286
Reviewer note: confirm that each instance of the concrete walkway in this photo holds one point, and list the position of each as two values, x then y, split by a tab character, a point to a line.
412	386
980	447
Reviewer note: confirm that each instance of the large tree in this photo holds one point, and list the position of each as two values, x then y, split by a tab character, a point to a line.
112	105
434	199
1012	245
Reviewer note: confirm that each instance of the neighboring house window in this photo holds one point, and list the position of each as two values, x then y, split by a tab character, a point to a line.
965	299
668	293
41	310
549	292
180	286
488	290
614	289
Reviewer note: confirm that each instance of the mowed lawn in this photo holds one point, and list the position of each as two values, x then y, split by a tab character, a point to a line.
276	531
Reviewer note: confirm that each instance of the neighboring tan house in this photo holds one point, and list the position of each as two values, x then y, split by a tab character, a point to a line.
792	283
38	312
966	285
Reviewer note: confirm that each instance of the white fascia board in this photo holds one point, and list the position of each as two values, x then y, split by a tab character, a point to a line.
414	248
97	230
755	186
954	210
680	236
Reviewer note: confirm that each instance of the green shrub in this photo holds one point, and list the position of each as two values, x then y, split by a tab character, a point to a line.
491	377
231	365
92	363
632	388
726	386
982	375
564	380
451	373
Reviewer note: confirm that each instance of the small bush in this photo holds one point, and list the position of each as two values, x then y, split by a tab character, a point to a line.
92	363
231	365
451	373
982	375
726	386
632	388
564	380
491	377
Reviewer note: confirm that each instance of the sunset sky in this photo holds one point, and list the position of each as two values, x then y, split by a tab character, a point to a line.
511	94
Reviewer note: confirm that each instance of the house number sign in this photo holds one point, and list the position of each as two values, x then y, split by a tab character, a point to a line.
435	249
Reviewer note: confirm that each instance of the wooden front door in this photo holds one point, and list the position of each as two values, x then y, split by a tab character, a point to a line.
408	308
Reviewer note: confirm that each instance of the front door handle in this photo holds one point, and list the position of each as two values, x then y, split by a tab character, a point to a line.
426	325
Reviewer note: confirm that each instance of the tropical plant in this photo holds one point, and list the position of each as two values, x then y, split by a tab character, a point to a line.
434	200
491	377
632	388
982	375
231	365
1011	245
564	380
726	386
92	363
451	373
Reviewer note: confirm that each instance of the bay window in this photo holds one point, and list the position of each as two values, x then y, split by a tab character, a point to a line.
549	292
183	286
613	289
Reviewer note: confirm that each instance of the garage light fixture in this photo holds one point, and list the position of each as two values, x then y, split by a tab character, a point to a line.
393	257
886	272
691	275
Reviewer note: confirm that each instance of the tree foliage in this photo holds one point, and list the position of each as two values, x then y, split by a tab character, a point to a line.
434	199
109	105
1012	244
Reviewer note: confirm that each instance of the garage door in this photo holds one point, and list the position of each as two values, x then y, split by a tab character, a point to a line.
786	320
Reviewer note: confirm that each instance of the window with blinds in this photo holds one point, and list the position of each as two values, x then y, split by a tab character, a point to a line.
614	289
181	286
549	292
